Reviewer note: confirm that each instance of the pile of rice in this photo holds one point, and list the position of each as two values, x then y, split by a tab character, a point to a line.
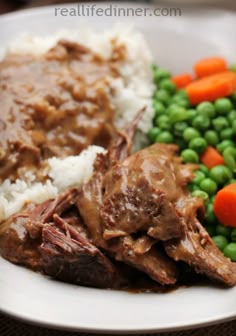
132	91
62	174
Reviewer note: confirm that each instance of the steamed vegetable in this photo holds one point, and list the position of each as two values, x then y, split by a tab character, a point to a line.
211	158
225	205
203	125
210	66
230	251
181	81
212	87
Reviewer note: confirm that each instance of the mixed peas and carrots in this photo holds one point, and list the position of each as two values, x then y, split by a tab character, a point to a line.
199	115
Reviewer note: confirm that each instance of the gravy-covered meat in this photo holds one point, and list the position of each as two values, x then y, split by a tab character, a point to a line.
69	256
138	252
53	105
141	192
21	234
51	238
197	249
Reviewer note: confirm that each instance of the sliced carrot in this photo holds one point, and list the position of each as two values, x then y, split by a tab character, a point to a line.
210	66
225	205
211	158
181	81
212	87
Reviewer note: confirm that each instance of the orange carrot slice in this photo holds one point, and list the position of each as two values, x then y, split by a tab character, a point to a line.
182	80
212	87
225	205
211	158
210	66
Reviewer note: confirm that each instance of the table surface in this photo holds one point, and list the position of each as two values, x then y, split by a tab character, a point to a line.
10	327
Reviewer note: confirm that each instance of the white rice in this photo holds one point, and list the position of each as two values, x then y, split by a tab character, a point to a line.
63	174
132	91
74	170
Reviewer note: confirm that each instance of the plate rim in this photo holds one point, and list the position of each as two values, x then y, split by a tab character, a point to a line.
106	330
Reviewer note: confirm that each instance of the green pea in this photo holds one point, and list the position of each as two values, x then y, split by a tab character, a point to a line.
165	126
162	96
192	187
177	114
220	242
199	176
182	93
223	230
182	102
210	229
179	128
201	194
210	217
159	108
189	156
224	144
172	107
220	174
227	133
160	74
212	137
153	133
192	113
234	127
233	235
223	106
198	144
231	116
229	155
206	109
209	186
220	123
204	169
165	137
190	133
161	119
230	251
168	85
201	123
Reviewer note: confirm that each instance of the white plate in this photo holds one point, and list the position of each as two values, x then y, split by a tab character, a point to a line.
176	43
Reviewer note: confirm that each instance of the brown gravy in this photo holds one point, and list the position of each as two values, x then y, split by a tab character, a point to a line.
53	105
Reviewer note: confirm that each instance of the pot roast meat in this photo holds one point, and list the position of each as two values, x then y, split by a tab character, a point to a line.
67	255
140	194
51	238
16	244
140	254
43	213
137	252
21	234
197	249
56	104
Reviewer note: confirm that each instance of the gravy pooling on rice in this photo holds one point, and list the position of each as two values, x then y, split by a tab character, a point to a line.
56	104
